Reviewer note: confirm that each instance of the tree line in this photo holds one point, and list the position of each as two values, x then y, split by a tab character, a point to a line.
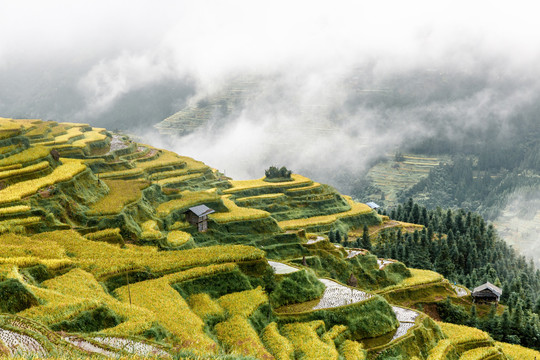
465	249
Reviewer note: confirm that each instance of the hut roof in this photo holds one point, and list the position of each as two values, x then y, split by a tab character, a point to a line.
496	290
201	210
372	205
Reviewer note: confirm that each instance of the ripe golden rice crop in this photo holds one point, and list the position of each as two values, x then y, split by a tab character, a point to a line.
419	277
121	193
480	353
187	200
237	213
90	137
171	310
263	196
177	237
71	133
239	185
461	333
335	331
237	334
178	179
352	350
109	234
204	306
135	172
103	259
304	338
25	170
315	185
64	172
277	344
243	303
356	209
14	209
165	158
517	352
150	230
26	156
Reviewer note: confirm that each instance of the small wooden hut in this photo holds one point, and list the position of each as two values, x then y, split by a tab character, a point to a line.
373	205
486	293
198	216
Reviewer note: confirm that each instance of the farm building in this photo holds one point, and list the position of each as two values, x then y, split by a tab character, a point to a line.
198	215
373	205
487	293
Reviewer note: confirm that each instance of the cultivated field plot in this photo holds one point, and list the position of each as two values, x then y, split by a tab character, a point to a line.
132	347
336	295
21	345
392	177
280	268
88	346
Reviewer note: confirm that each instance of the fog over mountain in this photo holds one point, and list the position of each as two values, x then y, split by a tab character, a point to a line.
337	83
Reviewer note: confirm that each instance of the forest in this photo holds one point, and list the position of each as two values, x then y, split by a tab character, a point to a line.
466	250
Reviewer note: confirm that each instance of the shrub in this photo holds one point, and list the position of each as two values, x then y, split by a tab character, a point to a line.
89	321
299	286
274	173
14	297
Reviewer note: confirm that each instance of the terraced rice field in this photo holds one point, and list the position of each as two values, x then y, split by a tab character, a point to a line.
392	177
336	295
21	345
280	268
132	347
88	346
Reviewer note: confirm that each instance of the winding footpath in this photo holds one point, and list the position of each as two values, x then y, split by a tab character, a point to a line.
336	295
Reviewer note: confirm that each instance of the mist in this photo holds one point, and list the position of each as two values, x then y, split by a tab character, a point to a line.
336	84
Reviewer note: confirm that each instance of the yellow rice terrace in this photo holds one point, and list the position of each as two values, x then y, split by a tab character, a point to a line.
110	248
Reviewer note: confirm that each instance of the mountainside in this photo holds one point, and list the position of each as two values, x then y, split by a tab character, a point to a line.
110	248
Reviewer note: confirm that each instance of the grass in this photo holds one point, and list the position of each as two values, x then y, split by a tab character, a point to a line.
188	199
237	335
121	193
356	209
240	185
237	213
29	155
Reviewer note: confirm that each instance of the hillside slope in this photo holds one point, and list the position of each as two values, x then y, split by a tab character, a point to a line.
98	257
